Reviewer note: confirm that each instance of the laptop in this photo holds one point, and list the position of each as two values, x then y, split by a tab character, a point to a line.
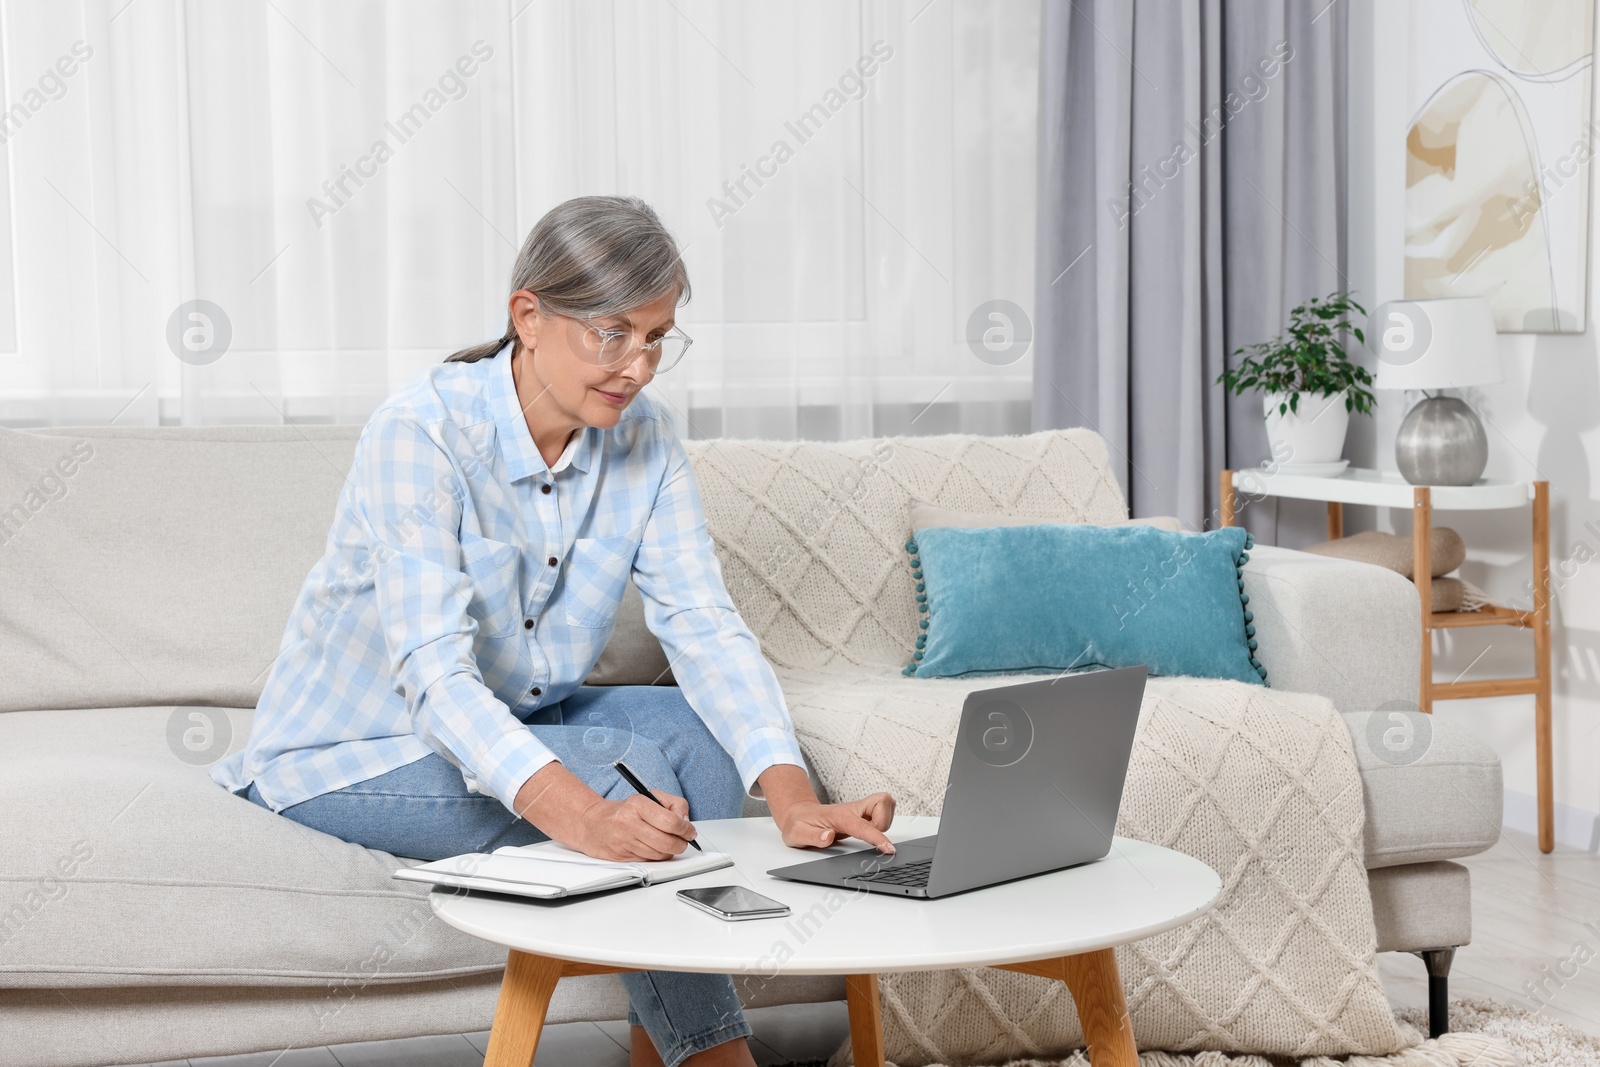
1034	786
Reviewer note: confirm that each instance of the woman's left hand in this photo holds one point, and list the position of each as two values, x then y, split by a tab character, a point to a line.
805	822
816	825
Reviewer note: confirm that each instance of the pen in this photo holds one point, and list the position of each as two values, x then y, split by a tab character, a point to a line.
633	780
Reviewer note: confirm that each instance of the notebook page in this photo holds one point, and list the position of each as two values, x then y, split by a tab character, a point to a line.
683	865
530	870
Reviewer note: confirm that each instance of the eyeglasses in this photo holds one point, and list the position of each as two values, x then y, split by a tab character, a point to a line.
614	349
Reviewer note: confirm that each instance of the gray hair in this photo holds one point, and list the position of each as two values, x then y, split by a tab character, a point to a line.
590	257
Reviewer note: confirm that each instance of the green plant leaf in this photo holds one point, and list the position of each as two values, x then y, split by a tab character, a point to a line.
1309	356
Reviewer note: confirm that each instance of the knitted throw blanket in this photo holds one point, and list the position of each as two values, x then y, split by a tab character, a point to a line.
1260	784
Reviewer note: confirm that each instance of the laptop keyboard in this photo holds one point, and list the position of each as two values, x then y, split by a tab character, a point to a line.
910	874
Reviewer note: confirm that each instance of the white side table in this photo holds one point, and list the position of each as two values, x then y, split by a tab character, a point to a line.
1062	925
1388	489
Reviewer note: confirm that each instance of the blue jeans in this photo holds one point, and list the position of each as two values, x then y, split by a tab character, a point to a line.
423	811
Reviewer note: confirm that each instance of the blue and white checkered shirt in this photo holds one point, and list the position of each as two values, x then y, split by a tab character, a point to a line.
466	584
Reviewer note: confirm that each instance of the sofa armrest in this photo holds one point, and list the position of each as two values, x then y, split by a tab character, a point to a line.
1348	631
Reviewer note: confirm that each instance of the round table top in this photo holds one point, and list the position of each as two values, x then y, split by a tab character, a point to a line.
1136	891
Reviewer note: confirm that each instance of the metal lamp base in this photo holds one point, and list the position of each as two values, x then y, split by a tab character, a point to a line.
1441	442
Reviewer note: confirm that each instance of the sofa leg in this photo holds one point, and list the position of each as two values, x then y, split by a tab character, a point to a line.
1438	961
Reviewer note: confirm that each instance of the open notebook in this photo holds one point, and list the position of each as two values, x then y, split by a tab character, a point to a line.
548	870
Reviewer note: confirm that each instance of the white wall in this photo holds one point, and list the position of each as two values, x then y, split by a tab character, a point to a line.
1543	422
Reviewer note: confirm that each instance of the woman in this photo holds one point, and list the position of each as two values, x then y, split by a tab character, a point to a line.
426	701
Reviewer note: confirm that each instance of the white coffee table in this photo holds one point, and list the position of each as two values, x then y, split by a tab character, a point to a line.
1062	925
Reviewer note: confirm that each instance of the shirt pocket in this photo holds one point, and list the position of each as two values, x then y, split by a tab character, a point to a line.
493	567
596	574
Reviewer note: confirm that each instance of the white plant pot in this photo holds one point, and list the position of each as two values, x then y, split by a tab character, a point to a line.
1313	434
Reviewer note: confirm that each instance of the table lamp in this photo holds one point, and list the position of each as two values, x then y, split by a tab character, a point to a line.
1434	345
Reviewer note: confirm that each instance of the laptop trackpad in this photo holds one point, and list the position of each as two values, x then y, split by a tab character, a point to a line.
919	842
905	853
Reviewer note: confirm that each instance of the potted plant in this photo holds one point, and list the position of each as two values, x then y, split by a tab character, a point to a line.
1305	374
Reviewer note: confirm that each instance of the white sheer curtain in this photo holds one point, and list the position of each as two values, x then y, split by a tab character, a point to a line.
850	179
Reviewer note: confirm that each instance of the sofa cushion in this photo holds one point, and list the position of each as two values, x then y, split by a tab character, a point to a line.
633	655
163	568
126	865
1433	789
1065	596
148	566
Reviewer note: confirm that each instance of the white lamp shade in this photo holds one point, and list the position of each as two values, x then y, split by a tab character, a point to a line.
1435	344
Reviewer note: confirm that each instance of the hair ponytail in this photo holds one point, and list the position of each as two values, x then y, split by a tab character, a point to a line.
593	256
483	351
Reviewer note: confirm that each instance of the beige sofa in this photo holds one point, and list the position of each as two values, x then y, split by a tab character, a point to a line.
145	579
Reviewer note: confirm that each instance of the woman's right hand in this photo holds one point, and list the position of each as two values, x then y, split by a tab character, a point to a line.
563	806
635	829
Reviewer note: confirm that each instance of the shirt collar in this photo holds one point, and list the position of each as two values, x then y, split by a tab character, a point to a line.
565	459
511	426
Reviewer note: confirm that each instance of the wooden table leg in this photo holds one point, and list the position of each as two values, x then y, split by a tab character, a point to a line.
1097	991
1335	520
866	1019
1096	988
525	994
1541	665
1422	575
1225	499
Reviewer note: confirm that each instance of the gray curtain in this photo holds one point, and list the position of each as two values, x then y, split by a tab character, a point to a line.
1191	191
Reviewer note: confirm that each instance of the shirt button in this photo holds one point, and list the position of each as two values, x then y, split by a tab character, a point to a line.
536	690
545	488
527	624
551	561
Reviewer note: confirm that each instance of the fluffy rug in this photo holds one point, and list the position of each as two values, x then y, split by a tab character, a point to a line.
1538	1039
1486	1034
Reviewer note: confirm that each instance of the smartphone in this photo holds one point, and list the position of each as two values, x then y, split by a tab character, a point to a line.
733	902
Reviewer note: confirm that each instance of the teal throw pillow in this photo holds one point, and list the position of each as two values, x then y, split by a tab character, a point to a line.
1058	597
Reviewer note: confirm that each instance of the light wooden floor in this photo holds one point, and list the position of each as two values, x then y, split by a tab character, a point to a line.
1528	913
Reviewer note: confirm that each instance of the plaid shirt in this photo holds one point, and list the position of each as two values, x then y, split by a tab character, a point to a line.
466	584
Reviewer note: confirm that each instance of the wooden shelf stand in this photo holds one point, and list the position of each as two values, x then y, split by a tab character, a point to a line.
1386	489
